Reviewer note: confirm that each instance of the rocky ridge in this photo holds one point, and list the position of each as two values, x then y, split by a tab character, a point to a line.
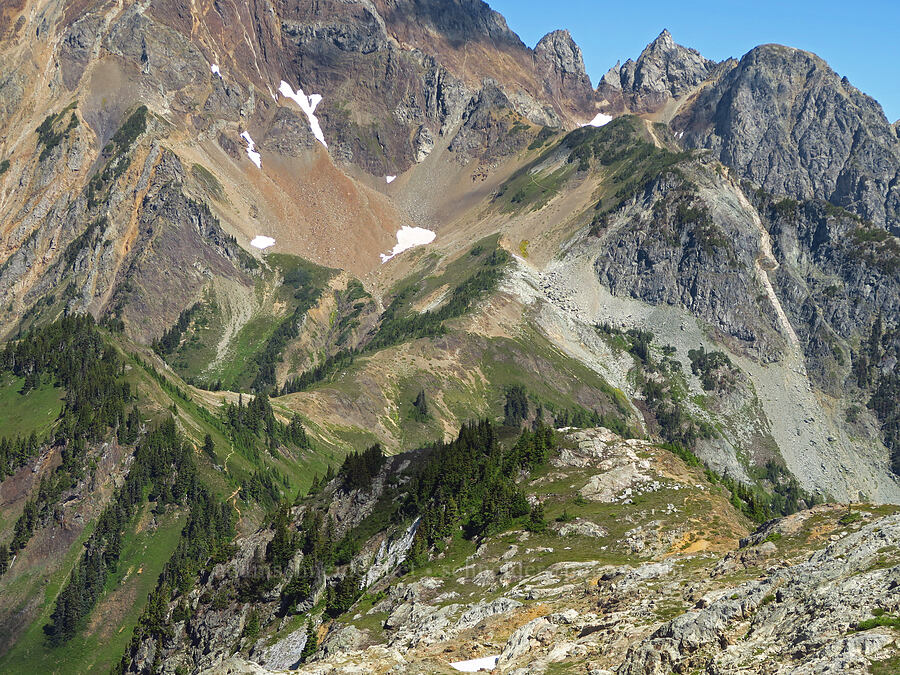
682	601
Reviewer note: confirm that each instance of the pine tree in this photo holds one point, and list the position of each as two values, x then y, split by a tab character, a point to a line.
536	520
251	627
420	407
312	641
418	552
515	411
209	448
280	550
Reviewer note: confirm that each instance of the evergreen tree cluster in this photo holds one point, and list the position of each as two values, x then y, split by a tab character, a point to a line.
315	537
340	360
300	587
359	468
14	452
163	471
676	425
50	134
582	418
262	487
881	348
318	484
285	542
786	498
248	422
311	644
72	354
340	596
420	408
467	485
515	409
205	541
169	341
116	152
714	369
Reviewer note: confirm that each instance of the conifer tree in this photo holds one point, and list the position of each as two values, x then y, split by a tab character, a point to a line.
209	448
312	641
420	407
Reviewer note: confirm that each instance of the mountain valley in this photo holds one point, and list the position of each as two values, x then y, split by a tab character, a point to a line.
357	336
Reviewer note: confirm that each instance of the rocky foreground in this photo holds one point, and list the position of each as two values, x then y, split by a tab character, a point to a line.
647	569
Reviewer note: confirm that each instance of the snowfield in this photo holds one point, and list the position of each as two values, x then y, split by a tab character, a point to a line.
308	106
215	70
262	242
473	666
390	179
254	156
599	120
407	238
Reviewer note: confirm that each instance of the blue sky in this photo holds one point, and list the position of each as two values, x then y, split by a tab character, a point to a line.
859	39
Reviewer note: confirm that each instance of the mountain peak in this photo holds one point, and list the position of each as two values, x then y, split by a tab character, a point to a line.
459	21
663	41
560	49
664	70
560	64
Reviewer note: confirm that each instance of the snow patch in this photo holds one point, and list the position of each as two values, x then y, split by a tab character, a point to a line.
474	665
308	105
390	179
409	237
262	242
599	120
215	70
251	150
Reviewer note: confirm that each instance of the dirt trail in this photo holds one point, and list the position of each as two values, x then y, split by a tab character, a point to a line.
233	497
227	457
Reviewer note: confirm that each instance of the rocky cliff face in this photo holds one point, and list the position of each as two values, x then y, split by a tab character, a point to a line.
693	243
664	71
557	55
789	123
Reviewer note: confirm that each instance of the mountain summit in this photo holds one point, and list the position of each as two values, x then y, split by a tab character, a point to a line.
664	71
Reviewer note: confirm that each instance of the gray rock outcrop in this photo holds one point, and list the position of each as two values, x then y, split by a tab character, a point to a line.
663	71
788	122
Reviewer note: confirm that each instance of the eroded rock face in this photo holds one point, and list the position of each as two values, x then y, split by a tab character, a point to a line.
663	71
563	63
697	246
789	123
390	554
456	20
559	49
815	603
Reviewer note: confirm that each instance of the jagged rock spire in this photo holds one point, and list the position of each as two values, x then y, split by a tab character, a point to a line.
664	70
560	62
